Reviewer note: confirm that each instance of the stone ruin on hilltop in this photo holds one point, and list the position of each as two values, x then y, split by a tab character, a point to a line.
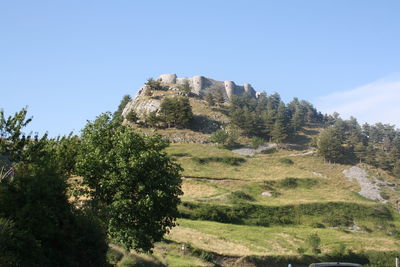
199	86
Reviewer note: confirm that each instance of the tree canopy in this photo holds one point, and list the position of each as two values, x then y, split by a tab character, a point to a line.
132	182
38	226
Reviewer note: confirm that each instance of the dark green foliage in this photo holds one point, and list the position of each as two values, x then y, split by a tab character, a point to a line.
240	196
338	218
134	185
270	117
226	138
132	116
176	112
64	150
38	226
202	254
330	145
286	161
114	256
154	84
257	142
317	225
270	186
313	242
232	161
345	141
289	182
125	100
152	119
251	214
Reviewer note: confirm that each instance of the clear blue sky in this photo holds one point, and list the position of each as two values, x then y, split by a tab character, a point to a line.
71	60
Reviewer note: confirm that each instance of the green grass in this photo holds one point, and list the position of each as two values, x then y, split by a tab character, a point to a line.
284	240
305	192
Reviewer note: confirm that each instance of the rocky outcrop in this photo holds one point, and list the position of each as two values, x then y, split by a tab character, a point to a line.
201	85
143	104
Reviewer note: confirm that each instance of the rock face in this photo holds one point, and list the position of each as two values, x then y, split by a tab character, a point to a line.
201	85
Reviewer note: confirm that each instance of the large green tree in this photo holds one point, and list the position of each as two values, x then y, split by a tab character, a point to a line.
38	226
176	111
133	185
330	145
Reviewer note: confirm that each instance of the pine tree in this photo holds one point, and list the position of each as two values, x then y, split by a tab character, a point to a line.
330	145
278	133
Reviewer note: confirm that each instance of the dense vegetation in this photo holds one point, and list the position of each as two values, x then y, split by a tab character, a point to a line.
131	182
129	193
38	226
269	117
347	141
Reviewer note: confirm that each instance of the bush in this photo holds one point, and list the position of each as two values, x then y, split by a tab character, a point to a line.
286	161
127	261
251	214
289	182
338	218
154	84
240	195
226	138
313	242
132	116
257	142
317	225
114	256
233	161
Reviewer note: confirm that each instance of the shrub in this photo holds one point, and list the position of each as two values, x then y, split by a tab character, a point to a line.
127	261
225	138
286	161
240	195
339	218
317	225
313	242
289	182
257	142
132	116
270	151
233	161
385	195
114	256
154	84
340	250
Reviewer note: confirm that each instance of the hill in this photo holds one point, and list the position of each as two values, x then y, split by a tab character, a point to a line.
278	204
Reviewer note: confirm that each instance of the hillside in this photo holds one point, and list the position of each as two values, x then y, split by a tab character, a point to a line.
242	210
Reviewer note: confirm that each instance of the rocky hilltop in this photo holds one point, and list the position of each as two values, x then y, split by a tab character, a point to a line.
200	85
148	99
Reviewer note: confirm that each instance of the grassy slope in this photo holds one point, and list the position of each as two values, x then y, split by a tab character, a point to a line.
249	177
242	240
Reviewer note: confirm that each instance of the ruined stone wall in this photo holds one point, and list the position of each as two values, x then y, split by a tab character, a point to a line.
201	85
